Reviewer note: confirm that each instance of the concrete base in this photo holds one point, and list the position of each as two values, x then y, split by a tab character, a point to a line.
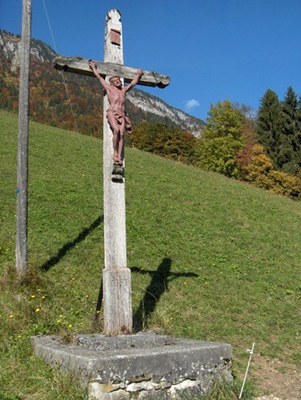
141	366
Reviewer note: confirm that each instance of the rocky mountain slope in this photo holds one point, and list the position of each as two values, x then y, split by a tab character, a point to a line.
52	95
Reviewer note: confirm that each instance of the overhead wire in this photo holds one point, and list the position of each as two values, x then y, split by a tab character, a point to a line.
92	183
62	74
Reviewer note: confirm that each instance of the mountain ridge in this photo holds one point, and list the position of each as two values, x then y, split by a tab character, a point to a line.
141	106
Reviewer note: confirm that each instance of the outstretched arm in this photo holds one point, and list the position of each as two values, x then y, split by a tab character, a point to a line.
93	66
134	82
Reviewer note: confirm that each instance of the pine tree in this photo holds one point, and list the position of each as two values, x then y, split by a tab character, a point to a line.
297	138
270	124
291	135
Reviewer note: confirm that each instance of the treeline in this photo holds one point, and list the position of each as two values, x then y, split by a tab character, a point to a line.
263	150
165	141
67	101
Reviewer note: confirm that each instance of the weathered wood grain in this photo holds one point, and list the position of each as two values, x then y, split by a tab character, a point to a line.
22	156
80	66
116	275
117	301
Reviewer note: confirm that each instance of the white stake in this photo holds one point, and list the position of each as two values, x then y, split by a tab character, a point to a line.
247	370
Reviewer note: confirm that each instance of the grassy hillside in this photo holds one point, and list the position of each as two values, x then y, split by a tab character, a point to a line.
211	258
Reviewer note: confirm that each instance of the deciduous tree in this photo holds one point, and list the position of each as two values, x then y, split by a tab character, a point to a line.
221	140
223	120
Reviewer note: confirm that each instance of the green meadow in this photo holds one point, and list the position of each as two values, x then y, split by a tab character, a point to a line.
211	258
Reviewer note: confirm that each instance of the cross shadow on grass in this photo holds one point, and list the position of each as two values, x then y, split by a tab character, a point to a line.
70	245
160	280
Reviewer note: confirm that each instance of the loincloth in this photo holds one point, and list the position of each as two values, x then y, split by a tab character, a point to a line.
120	118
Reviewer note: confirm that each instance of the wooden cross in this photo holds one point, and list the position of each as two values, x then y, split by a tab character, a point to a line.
116	276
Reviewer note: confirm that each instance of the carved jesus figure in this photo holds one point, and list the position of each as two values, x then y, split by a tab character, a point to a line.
116	115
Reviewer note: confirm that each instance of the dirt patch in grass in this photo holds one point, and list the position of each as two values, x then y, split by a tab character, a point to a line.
274	377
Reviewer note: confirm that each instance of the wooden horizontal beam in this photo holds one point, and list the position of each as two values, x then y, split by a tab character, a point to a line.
80	66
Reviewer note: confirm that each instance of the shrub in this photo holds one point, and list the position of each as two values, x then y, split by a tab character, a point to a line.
219	155
257	168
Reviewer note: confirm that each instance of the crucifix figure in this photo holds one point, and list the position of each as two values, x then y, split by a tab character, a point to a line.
116	276
118	120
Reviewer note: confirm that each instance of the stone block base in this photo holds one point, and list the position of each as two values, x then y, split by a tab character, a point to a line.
141	366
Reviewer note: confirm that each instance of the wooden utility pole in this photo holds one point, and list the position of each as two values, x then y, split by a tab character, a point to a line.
116	276
22	157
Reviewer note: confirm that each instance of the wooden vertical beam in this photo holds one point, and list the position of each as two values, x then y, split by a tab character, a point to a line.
22	157
116	275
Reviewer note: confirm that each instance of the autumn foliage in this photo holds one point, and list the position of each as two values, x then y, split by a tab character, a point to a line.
260	172
168	142
264	151
229	145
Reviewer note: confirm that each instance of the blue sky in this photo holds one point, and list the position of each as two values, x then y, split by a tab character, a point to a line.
212	49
